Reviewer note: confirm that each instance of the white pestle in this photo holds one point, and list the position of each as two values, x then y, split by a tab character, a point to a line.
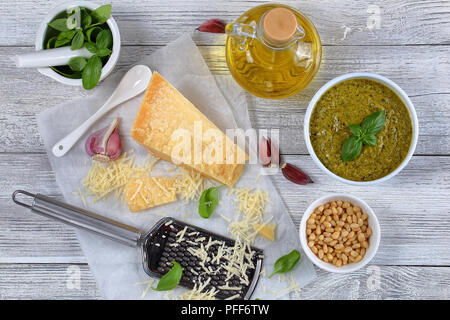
133	83
51	57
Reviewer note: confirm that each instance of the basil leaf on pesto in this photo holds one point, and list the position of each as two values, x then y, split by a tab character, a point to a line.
374	123
363	134
351	148
370	140
355	129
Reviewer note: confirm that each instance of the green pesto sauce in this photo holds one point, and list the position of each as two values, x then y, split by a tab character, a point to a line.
350	102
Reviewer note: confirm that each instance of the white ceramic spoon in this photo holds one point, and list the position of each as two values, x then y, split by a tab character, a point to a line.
134	82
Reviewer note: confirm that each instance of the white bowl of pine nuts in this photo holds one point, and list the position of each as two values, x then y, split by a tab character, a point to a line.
339	233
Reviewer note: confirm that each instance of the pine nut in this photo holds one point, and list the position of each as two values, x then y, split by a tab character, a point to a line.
338	232
361	237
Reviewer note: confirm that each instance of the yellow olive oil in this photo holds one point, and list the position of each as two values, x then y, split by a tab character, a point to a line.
273	72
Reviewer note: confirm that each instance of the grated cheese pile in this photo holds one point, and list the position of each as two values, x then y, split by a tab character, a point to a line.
190	185
104	179
292	285
149	284
252	206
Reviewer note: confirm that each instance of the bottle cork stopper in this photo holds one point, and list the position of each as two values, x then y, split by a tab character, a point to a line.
279	25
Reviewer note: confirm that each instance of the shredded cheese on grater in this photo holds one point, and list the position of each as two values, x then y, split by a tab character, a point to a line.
235	260
180	234
252	207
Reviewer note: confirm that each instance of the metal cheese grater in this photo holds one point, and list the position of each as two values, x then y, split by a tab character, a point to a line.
169	240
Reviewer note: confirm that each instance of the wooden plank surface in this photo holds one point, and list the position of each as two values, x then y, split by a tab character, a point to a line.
26	92
412	47
44	281
158	22
413	232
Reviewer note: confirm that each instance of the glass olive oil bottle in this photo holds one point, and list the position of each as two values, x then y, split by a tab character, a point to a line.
273	51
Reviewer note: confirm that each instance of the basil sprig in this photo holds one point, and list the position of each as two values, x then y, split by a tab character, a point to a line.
171	279
208	201
363	134
286	263
83	28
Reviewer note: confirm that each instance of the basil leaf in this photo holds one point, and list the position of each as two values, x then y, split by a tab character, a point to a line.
101	14
104	39
286	263
64	37
77	63
356	129
92	72
91	47
103	52
351	148
59	24
75	75
92	33
208	202
78	40
51	42
374	123
370	140
86	19
171	279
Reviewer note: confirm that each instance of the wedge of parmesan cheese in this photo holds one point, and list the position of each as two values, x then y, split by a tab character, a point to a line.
166	118
144	193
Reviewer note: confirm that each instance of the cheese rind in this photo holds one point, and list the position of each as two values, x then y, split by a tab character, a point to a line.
144	193
163	113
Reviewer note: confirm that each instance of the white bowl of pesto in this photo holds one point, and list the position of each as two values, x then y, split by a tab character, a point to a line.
42	32
349	100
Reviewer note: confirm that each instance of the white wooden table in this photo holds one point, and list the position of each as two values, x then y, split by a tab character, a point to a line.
412	47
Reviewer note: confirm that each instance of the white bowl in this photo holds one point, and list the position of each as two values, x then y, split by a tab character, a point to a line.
374	238
109	66
388	83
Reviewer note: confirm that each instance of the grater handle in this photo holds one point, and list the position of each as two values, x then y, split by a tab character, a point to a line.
80	218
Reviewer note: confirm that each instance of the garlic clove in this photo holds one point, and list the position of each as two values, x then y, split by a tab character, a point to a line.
269	155
105	144
294	174
114	145
212	26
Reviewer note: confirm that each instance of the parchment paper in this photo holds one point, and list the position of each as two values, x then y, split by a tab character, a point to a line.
118	268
